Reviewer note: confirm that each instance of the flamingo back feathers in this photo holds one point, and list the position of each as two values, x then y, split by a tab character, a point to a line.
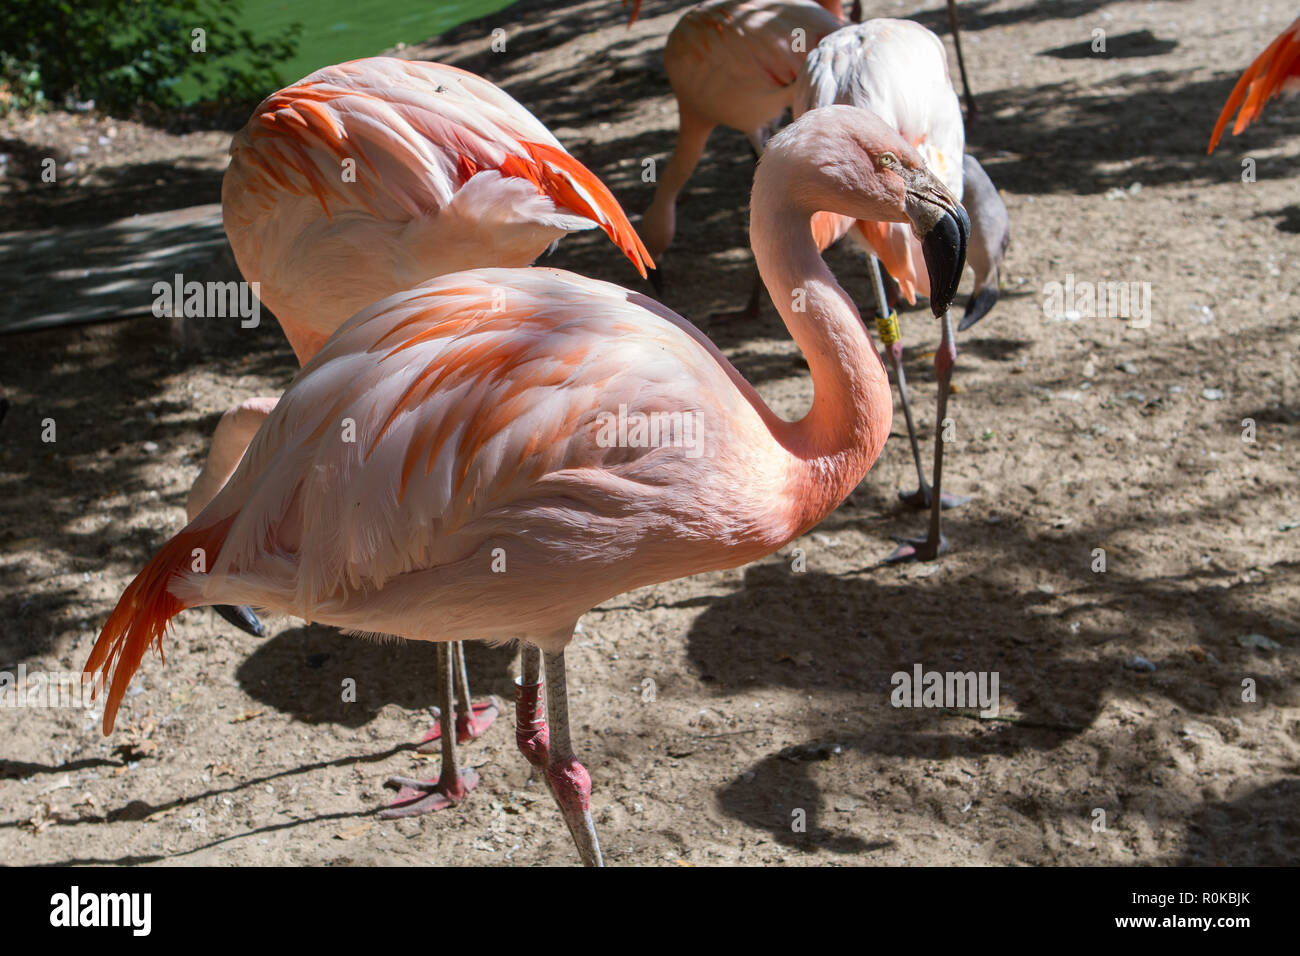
416	133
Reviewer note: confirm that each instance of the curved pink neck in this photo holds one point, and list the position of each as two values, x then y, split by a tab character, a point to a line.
838	441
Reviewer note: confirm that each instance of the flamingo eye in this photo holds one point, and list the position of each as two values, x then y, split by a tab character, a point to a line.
888	160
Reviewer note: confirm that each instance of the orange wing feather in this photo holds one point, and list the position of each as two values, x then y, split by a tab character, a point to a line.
297	119
555	172
1262	81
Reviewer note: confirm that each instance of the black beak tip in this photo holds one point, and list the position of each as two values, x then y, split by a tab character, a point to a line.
656	277
979	306
242	617
944	247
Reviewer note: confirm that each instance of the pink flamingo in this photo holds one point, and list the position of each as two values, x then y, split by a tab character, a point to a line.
731	63
1274	71
487	494
834	6
360	181
898	70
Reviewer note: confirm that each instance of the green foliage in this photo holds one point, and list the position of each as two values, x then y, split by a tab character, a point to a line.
129	54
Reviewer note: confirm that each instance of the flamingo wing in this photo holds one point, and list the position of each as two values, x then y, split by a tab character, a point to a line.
1273	71
430	420
423	130
368	177
470	413
751	39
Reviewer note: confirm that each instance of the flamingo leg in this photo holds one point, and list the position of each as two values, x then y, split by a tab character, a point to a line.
568	779
934	543
452	785
967	95
531	735
892	339
751	309
472	718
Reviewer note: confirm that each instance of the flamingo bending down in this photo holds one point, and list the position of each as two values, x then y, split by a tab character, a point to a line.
834	6
366	178
730	63
483	403
1274	71
898	70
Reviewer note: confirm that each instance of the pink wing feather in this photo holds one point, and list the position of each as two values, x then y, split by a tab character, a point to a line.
352	184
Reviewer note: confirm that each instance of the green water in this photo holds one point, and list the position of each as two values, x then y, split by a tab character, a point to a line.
337	30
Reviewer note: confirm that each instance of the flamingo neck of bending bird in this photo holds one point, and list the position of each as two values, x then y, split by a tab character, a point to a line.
839	439
659	222
304	340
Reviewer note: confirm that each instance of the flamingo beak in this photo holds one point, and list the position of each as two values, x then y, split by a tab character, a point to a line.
978	306
656	277
943	227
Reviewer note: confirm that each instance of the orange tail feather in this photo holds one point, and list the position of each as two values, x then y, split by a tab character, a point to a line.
556	172
1261	81
144	610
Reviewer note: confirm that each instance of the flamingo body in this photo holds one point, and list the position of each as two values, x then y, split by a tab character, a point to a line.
368	177
476	403
733	63
481	428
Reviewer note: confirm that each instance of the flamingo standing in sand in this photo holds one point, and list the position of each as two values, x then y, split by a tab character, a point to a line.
1276	70
364	179
898	70
730	63
482	404
836	7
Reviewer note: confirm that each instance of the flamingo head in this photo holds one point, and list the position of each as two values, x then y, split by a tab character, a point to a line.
847	160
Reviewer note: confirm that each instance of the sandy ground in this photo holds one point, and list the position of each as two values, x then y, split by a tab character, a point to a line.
771	688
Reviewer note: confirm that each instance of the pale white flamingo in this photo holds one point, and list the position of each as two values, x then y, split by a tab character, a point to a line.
487	494
1276	70
360	181
898	71
730	63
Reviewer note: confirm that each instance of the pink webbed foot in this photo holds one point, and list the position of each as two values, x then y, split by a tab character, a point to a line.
467	727
917	549
416	797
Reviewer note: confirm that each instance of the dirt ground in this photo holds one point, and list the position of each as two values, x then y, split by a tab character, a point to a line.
771	688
